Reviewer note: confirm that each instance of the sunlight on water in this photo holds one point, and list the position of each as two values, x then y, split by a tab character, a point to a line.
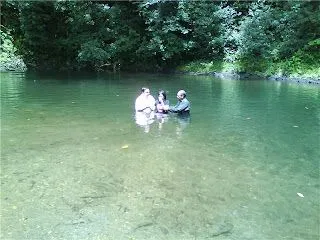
75	165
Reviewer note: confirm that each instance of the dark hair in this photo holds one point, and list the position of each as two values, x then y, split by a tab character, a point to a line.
144	89
163	93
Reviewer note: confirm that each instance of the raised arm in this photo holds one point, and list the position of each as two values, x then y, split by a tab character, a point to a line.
182	106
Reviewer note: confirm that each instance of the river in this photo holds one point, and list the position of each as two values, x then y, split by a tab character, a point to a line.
75	165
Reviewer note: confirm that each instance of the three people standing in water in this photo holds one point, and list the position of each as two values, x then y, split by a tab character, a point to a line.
146	103
146	107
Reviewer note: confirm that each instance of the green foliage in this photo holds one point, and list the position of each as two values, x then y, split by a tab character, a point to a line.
276	35
9	59
7	47
201	67
180	31
302	63
315	43
209	67
93	54
43	28
255	36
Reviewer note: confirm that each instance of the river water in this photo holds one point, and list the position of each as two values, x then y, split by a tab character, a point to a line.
75	165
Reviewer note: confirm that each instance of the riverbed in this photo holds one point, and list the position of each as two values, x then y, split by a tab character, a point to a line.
76	165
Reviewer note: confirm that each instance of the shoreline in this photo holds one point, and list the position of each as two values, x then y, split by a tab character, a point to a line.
253	76
241	76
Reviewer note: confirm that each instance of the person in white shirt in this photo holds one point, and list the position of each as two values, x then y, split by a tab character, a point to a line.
145	105
145	102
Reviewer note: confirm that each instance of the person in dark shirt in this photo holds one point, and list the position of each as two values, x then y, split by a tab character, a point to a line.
183	105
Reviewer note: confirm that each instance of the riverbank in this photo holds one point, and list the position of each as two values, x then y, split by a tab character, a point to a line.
311	74
253	76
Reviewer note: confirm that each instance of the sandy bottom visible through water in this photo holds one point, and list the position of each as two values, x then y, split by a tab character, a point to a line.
78	182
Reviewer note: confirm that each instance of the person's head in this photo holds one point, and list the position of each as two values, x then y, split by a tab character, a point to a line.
181	94
162	95
145	91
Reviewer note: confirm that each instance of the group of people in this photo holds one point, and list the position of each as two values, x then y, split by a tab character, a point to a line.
147	107
146	103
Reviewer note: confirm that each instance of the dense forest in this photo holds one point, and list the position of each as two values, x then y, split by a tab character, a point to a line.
271	37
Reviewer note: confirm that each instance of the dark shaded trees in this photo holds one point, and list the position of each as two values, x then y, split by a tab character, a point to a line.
154	35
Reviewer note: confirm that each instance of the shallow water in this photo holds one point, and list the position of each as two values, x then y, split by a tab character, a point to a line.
74	164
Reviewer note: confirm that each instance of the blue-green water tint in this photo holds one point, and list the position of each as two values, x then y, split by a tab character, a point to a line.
232	172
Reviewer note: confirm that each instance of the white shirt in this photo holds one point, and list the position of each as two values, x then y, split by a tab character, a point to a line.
144	102
144	119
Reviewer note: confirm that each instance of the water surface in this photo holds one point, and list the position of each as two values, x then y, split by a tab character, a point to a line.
75	165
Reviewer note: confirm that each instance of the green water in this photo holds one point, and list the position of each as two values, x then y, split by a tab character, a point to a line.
232	171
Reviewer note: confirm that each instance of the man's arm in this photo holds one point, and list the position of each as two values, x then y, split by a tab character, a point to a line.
181	106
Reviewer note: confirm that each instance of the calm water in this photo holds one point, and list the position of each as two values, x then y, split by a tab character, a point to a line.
75	165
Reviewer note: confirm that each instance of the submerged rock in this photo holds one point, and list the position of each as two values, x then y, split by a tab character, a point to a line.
220	229
215	227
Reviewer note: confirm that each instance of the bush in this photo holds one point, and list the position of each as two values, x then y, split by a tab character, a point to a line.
9	61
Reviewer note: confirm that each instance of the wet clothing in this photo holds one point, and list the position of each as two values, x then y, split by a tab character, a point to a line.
159	106
183	107
143	102
143	118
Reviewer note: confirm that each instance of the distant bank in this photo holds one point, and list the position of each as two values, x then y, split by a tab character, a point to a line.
233	71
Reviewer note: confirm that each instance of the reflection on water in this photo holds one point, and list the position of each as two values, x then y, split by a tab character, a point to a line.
183	121
13	88
75	165
162	118
146	120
